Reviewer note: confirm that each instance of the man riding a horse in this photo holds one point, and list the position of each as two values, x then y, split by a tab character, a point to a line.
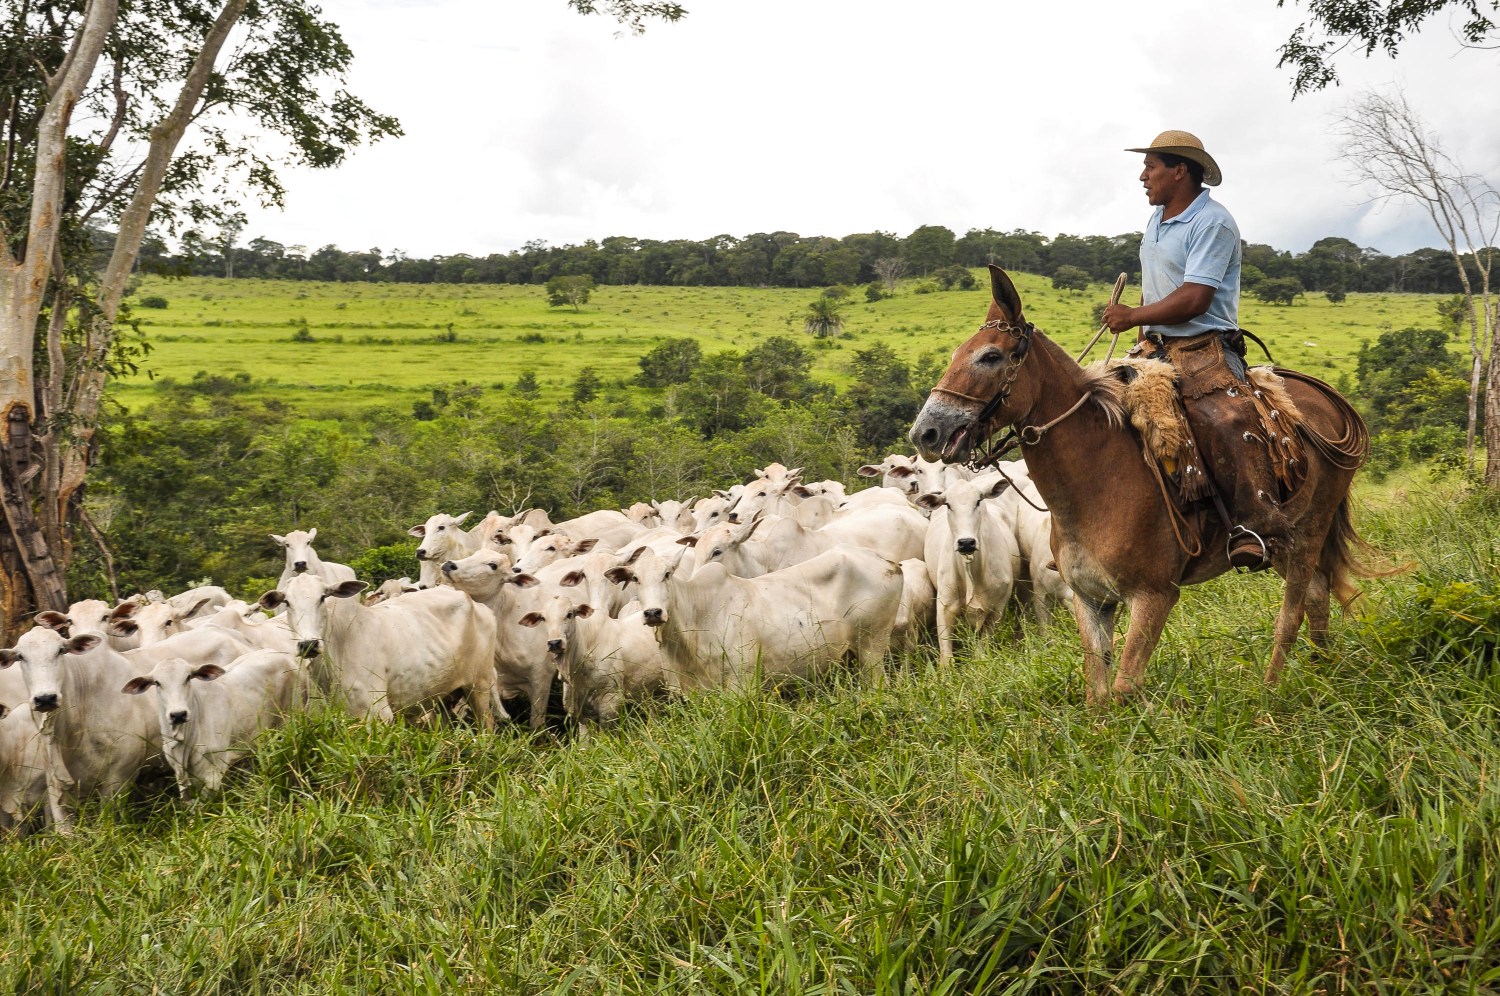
1189	316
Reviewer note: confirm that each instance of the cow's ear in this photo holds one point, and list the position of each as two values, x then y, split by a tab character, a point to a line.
124	610
136	686
312	534
459	520
281	540
418	531
931	500
197	608
543	532
122	627
802	491
523	581
720	494
585	610
585	546
84	642
634	556
272	600
53	620
997	489
901	473
572	579
869	470
4	710
346	589
750	529
8	657
620	575
530	619
688	541
208	672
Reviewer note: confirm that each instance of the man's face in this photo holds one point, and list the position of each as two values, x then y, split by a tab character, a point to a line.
1160	180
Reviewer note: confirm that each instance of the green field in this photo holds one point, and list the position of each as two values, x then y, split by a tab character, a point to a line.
970	830
378	344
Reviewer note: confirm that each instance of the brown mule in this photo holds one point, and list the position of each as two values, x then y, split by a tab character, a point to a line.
1113	535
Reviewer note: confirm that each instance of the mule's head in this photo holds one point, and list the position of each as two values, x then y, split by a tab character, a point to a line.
984	372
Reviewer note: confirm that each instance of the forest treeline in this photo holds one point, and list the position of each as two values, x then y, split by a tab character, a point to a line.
1333	265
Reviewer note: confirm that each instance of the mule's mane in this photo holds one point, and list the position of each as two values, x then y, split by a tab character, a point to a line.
1106	392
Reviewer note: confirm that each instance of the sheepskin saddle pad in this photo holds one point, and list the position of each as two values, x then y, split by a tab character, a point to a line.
1148	392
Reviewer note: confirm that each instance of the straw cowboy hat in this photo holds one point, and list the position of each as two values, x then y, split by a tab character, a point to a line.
1186	145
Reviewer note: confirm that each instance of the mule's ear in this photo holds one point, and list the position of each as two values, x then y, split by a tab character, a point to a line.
1006	298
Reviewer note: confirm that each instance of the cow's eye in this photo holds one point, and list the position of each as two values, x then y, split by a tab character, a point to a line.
494	567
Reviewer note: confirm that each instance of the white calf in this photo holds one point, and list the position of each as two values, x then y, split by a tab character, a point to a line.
972	557
23	766
208	715
520	660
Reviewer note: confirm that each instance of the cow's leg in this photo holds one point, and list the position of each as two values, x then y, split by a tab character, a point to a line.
1289	619
1096	626
945	622
481	701
537	694
1148	616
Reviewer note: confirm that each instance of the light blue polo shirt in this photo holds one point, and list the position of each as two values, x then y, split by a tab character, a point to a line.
1200	246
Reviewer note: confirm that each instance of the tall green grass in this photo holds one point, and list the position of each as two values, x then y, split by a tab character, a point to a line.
973	829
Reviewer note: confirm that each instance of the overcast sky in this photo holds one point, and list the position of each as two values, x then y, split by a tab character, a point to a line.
525	120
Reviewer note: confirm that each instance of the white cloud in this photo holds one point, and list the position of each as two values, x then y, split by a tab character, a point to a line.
526	121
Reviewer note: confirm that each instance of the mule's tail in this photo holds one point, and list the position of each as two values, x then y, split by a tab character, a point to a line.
1340	563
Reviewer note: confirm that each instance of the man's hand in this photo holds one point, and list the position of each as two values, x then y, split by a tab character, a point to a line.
1120	317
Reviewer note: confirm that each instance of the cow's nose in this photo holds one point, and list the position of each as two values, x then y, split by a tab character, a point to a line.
179	717
421	554
300	566
734	517
45	703
967	544
516	569
554	646
449	567
652	617
309	648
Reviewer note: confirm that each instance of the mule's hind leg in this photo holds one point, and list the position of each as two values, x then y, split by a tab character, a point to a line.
1316	606
1148	616
1096	626
1289	619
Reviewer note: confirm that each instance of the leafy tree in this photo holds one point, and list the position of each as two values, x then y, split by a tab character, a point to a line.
949	277
824	317
928	248
673	362
882	401
1406	380
573	290
1336	295
779	368
1368	25
527	386
1279	290
719	397
1070	278
587	384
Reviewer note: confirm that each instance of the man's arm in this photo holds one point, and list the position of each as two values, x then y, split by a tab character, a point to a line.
1182	305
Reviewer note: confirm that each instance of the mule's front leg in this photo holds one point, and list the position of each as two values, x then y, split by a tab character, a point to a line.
1096	626
1148	616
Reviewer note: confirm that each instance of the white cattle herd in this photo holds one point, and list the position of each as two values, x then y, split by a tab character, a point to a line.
771	580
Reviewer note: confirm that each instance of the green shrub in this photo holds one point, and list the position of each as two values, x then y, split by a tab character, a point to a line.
152	301
382	563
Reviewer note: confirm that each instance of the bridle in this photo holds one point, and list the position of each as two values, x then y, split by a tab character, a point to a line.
985	453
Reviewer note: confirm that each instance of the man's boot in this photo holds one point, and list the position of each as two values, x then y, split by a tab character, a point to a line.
1234	451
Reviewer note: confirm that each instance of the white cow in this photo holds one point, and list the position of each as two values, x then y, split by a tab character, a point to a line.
608	526
100	740
720	631
397	655
1034	542
676	514
208	596
208	715
918	612
444	538
886	471
550	549
972	556
252	625
710	511
520	660
302	558
23	766
153	622
93	616
896	532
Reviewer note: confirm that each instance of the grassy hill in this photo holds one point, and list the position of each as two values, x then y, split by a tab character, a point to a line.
389	344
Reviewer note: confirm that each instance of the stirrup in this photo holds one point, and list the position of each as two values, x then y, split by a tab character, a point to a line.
1245	551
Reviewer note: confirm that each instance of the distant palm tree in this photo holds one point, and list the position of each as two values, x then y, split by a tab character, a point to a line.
823	317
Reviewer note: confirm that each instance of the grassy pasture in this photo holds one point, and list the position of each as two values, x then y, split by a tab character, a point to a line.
973	830
378	344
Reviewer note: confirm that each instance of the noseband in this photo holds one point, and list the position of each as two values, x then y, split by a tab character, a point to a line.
986	455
